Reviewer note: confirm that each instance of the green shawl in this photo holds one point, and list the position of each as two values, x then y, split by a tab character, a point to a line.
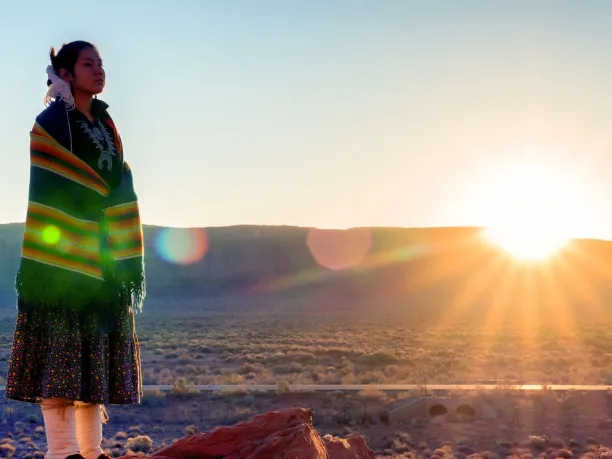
83	244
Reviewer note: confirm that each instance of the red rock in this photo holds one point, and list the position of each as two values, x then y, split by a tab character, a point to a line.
285	434
351	448
300	441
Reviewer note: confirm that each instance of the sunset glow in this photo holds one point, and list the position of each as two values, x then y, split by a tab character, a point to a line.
532	208
527	243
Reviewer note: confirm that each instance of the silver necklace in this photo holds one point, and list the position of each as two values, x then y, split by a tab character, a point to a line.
99	136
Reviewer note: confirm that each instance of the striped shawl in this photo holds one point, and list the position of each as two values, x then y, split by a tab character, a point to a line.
83	244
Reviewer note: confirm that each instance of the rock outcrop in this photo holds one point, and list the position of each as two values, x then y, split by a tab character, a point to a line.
285	434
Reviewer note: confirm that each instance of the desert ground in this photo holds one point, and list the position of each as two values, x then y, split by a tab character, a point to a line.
274	340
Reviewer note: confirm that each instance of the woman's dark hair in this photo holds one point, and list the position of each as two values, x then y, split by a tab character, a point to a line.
67	56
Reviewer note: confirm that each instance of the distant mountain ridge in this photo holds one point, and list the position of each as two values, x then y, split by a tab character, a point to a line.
435	267
249	255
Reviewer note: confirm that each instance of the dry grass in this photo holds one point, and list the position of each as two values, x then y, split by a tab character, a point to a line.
252	349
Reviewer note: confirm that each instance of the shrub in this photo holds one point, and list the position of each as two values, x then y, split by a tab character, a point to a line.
7	450
379	358
140	444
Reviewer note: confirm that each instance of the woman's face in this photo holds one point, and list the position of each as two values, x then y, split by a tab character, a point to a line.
89	76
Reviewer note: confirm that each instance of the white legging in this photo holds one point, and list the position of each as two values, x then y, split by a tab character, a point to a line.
73	428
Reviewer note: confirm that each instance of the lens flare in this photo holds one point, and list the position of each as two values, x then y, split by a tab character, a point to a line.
51	235
182	246
339	249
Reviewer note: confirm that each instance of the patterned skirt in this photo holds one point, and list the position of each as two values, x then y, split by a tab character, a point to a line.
67	356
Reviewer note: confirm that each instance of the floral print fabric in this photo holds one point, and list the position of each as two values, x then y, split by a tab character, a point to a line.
67	356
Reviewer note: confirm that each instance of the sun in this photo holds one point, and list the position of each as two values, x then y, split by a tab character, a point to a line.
527	243
532	209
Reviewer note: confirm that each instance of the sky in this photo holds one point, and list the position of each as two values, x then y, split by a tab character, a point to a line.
334	113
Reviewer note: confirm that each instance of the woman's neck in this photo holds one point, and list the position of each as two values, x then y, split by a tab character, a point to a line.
83	103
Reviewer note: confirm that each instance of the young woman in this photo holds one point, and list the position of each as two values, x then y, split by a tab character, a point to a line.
81	274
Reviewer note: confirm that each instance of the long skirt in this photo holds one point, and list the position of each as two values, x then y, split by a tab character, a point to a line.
68	355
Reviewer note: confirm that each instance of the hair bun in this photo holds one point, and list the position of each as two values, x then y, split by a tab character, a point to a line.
52	55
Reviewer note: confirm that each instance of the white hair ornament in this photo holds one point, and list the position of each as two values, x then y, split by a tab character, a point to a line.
59	89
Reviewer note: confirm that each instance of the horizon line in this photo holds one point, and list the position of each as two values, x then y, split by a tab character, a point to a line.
287	225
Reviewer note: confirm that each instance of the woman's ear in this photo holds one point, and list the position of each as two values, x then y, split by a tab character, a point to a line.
65	75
